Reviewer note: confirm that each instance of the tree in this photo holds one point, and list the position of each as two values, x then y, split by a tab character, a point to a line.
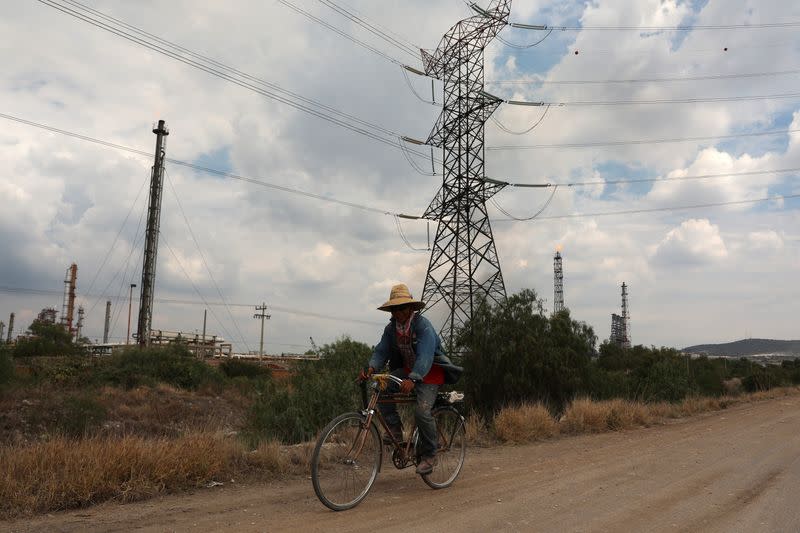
514	354
45	338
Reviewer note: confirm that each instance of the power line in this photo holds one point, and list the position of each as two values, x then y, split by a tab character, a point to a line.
645	80
202	256
687	27
339	32
657	209
388	36
177	301
639	141
255	181
705	100
646	180
234	76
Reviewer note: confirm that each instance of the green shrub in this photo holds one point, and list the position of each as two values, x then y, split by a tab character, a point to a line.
6	365
234	368
172	364
318	391
515	354
81	414
46	339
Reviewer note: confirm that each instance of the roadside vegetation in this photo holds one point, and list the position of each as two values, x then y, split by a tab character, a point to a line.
77	430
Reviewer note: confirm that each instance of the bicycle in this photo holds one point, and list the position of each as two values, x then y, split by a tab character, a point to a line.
349	451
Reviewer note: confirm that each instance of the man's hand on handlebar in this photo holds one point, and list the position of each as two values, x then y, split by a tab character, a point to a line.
365	374
406	386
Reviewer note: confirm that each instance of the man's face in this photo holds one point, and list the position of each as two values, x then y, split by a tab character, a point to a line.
402	313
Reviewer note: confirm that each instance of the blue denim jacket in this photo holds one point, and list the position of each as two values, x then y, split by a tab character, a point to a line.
426	344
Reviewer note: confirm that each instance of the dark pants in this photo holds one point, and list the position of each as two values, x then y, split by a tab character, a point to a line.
426	396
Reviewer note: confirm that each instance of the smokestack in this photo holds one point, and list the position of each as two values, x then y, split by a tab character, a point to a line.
108	321
10	327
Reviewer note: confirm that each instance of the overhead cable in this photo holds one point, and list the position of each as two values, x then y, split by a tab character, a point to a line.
687	27
200	62
289	310
525	46
639	141
645	80
505	129
338	31
646	180
387	35
712	99
208	170
659	209
202	255
536	214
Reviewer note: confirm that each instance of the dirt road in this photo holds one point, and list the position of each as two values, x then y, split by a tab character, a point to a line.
733	470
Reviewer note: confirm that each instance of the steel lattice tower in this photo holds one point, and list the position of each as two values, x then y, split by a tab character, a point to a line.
464	264
558	284
626	319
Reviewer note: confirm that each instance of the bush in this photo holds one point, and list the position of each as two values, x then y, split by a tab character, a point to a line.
6	366
46	339
524	423
172	364
515	354
318	391
236	368
81	413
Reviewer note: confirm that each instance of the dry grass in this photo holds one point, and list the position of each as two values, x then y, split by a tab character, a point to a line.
65	473
477	431
524	423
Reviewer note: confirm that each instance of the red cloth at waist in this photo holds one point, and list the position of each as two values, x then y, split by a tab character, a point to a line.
434	377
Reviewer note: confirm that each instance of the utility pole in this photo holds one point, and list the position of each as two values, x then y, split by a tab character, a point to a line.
205	315
107	322
263	316
130	301
464	265
2	330
151	242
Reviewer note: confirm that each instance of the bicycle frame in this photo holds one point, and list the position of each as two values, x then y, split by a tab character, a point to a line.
379	384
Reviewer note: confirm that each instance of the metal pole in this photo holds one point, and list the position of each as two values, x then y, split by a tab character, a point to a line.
130	300
151	241
205	313
263	316
108	321
10	327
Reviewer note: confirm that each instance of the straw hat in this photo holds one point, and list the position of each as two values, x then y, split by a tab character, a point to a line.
400	295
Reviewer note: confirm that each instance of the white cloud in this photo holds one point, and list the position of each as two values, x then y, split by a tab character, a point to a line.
695	242
66	199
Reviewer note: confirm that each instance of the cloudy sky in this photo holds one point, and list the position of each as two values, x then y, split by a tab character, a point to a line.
726	100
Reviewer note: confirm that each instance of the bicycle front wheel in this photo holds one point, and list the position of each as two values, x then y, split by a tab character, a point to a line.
452	442
346	461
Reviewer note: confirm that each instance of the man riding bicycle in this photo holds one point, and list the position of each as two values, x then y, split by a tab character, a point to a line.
414	352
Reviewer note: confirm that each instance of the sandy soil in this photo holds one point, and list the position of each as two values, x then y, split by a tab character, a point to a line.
733	470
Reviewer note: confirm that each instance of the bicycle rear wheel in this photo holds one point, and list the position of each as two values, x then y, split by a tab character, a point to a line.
346	461
452	437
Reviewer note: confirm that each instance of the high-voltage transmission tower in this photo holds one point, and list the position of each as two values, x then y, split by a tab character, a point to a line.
151	236
464	265
558	284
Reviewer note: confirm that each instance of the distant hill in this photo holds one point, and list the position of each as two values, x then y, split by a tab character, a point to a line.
747	347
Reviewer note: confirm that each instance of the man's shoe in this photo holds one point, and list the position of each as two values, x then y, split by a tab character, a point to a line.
425	465
397	433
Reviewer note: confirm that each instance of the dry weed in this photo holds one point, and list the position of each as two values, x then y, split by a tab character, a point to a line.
524	423
585	416
477	431
62	473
